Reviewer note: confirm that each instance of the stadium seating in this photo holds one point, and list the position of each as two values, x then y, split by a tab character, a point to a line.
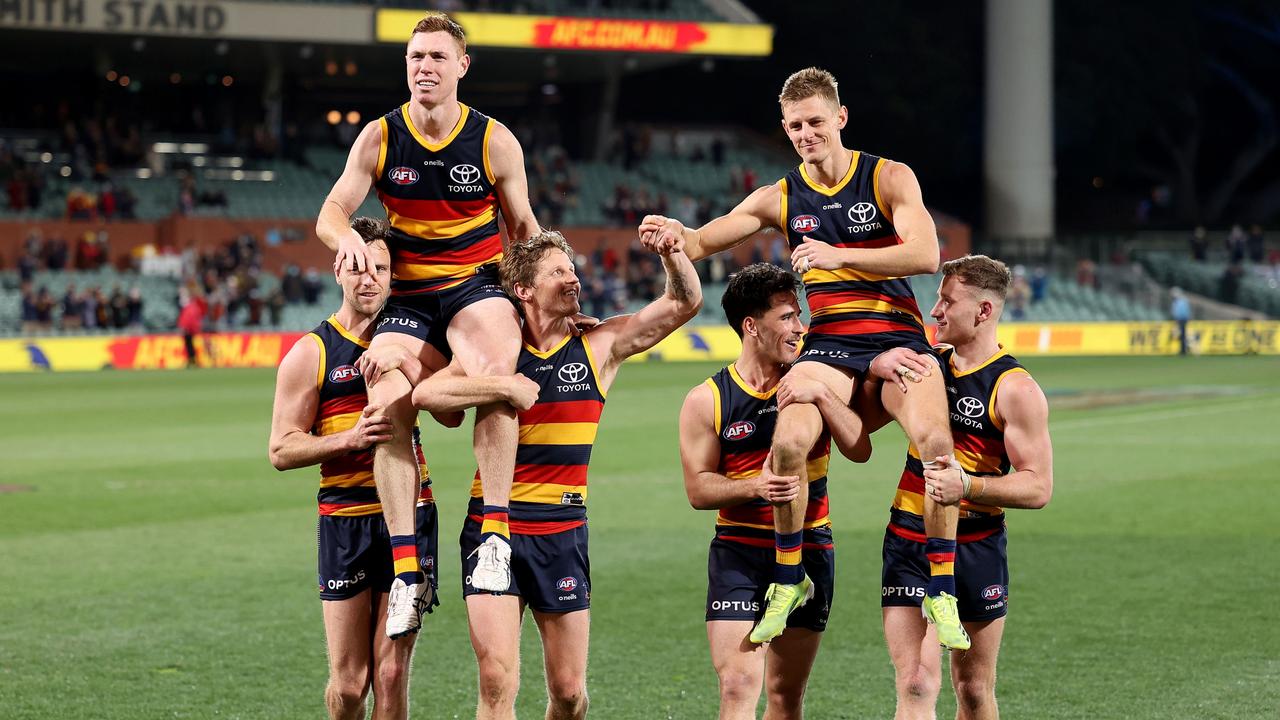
1205	278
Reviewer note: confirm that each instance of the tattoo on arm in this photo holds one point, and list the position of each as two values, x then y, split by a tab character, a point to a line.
677	285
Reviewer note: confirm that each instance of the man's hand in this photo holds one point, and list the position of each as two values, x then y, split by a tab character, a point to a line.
662	235
776	489
814	255
521	392
899	365
352	253
372	428
944	480
374	362
793	389
584	322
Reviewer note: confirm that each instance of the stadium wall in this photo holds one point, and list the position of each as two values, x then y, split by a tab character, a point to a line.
708	343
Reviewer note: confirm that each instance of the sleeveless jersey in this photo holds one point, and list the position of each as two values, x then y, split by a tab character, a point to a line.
744	423
549	490
849	215
440	201
346	482
979	443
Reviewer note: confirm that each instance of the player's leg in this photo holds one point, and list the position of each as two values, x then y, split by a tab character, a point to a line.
348	625
395	471
564	648
739	665
973	673
392	660
797	431
917	662
494	621
922	413
485	337
788	663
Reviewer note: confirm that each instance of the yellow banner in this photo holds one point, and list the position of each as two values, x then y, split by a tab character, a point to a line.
547	32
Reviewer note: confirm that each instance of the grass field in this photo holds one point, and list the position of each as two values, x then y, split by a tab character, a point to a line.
156	566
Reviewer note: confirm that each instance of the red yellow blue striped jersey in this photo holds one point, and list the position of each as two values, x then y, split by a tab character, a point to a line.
346	482
440	201
979	443
849	215
744	423
549	490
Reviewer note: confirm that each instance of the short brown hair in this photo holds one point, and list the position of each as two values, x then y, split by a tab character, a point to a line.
808	82
440	22
750	292
371	230
520	262
981	272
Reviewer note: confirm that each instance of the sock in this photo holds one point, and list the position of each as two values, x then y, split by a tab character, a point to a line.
495	522
787	569
404	551
942	573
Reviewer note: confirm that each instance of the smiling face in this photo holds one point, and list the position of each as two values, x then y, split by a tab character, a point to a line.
813	125
778	330
555	287
961	309
366	292
434	63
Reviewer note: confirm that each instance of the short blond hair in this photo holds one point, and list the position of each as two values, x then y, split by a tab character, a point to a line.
436	21
520	262
980	272
806	83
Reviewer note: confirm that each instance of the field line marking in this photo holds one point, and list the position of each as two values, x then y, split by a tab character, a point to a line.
1157	414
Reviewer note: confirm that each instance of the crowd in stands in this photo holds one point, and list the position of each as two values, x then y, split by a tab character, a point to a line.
1245	253
91	308
553	184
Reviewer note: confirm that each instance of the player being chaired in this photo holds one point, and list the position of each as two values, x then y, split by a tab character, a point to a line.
444	172
857	226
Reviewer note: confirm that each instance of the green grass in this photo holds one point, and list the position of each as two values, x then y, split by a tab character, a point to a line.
159	567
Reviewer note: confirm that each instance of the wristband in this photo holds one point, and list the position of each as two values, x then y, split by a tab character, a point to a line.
967	483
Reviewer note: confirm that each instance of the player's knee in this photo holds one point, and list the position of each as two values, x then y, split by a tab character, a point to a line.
567	695
791	446
498	682
918	686
346	691
975	693
739	685
392	679
935	441
786	700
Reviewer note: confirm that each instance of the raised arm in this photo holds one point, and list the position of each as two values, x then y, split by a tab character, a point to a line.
700	457
451	390
761	209
294	413
622	336
1022	407
918	254
334	224
506	160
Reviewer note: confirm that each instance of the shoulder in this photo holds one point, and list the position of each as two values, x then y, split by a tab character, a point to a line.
303	359
501	139
698	402
763	201
897	177
1021	398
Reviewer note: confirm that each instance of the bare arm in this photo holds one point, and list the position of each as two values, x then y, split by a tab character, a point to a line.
294	413
700	458
506	159
918	253
334	224
759	210
1021	405
451	390
618	338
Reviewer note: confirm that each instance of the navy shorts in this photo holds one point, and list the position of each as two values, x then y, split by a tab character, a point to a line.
551	573
355	553
738	576
426	316
856	352
982	576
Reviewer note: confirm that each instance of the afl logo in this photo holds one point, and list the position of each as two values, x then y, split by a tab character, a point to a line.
573	372
565	584
970	406
344	373
403	175
740	430
862	212
993	592
805	223
464	174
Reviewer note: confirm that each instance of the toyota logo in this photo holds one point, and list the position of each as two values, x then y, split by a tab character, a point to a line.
862	212
573	372
970	406
465	174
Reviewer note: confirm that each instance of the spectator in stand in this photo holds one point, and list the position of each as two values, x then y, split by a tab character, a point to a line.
1236	240
1229	283
89	308
119	304
311	286
717	151
186	195
29	321
27	266
1180	309
1039	285
134	320
191	320
1199	244
291	285
1087	273
107	201
72	309
102	310
1256	244
44	309
1019	294
81	204
126	201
